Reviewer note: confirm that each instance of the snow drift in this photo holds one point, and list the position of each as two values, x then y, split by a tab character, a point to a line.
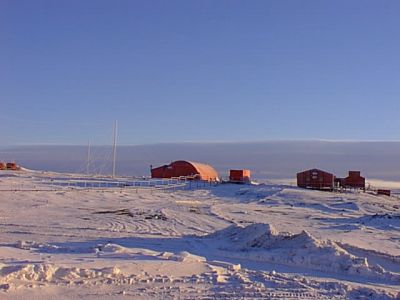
263	242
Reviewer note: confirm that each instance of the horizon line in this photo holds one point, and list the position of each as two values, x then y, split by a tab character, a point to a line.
212	142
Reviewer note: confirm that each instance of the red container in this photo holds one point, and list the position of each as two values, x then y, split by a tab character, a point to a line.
239	176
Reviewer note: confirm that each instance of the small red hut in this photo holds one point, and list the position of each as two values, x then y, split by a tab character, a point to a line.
315	179
239	176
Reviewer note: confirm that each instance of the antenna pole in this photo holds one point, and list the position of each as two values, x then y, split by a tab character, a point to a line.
114	148
88	159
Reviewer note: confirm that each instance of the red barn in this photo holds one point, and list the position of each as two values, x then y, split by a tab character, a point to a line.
354	180
185	168
239	176
315	179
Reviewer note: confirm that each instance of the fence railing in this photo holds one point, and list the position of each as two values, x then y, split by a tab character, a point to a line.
81	183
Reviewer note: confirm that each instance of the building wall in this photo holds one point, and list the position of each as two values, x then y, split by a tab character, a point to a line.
315	179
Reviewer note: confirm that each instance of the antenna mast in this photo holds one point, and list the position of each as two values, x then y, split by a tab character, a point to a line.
88	159
114	148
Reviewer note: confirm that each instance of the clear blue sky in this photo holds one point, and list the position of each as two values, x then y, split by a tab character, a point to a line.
205	70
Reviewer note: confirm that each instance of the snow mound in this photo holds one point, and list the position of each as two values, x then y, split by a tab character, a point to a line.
263	242
185	256
113	248
48	273
265	236
249	236
117	251
32	272
370	294
32	245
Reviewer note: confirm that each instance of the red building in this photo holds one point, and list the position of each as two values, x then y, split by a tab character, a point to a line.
3	166
316	179
185	168
12	166
353	181
239	176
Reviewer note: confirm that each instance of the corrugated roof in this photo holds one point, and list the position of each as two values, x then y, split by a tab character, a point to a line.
206	171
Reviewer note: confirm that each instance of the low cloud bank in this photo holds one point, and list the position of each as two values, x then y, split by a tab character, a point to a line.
273	159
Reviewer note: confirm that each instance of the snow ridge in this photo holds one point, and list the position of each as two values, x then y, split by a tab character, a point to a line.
262	242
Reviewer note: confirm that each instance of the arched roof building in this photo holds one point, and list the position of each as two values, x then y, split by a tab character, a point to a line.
185	168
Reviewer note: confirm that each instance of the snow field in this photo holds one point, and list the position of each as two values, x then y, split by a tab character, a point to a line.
245	242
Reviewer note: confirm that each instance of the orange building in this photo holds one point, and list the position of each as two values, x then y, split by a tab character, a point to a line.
185	168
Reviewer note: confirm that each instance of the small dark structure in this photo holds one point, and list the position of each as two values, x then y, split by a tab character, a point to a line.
3	165
353	181
239	176
187	169
12	166
384	192
316	179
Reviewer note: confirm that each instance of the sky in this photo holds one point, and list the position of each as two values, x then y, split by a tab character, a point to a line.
176	71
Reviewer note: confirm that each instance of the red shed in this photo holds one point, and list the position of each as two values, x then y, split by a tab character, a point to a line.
3	166
239	176
354	180
12	166
185	168
315	179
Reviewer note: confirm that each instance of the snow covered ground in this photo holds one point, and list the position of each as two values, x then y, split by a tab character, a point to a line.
271	241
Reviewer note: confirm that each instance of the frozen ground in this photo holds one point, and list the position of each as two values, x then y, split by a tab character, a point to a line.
271	241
